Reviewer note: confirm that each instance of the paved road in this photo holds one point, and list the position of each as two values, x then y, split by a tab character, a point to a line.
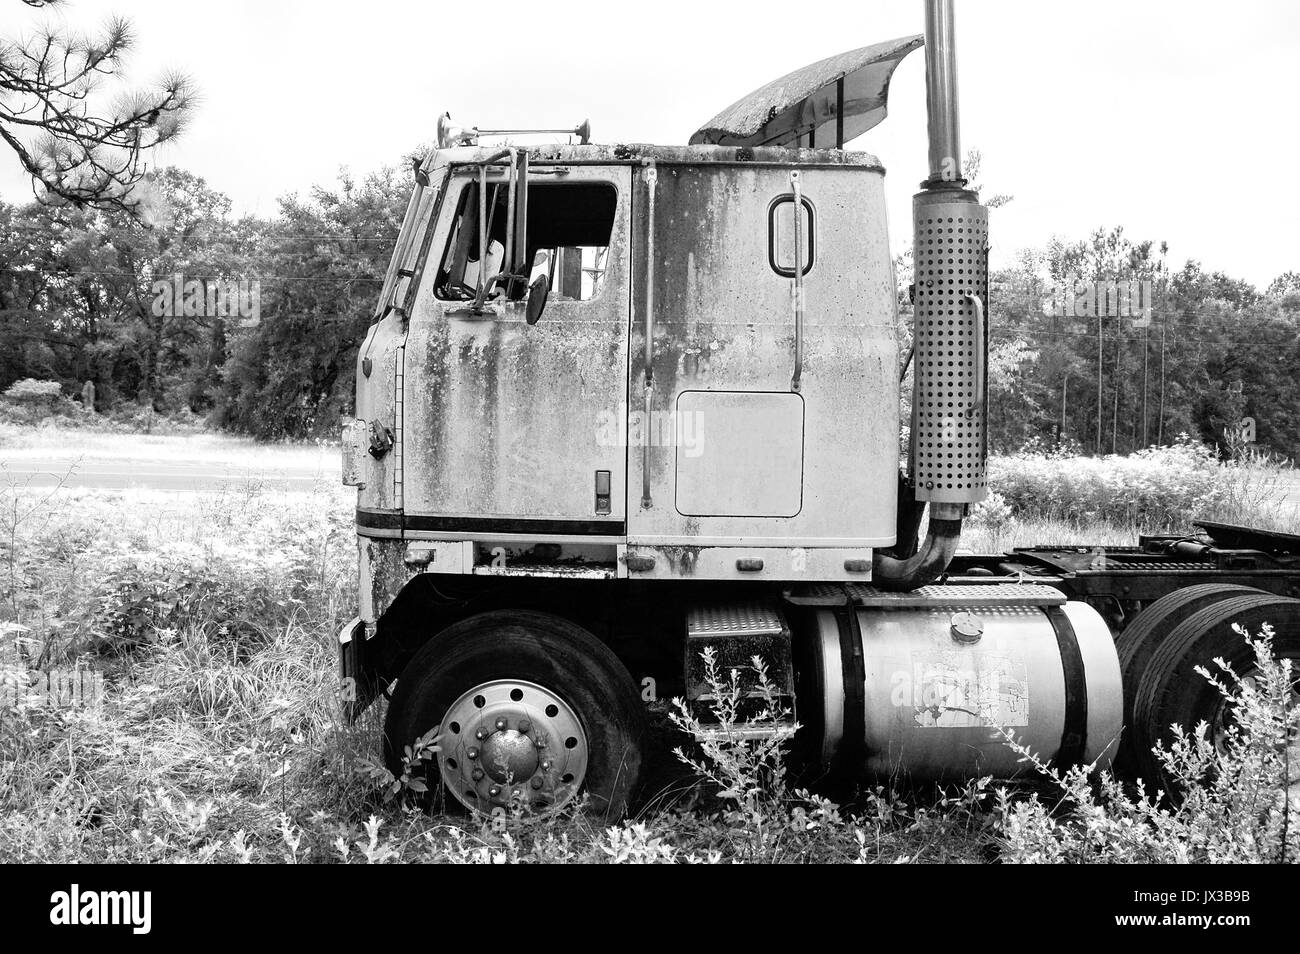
27	469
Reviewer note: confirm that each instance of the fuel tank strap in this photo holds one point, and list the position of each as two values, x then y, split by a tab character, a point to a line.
852	749
1074	729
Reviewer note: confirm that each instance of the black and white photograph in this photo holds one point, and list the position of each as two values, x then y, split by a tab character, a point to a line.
589	433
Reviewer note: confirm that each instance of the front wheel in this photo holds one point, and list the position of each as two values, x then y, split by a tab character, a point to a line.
530	710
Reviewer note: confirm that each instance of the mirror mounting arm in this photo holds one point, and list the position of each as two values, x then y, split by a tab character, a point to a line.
516	220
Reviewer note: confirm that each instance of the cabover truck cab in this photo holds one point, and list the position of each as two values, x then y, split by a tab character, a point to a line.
621	404
536	439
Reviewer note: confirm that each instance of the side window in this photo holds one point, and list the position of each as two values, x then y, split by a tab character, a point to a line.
569	229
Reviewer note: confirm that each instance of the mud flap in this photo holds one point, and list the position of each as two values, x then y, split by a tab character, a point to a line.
357	687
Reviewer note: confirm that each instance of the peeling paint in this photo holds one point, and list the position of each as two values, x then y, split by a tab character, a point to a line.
383	575
681	558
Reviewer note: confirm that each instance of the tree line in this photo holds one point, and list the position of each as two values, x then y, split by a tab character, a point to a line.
1209	353
80	291
82	299
120	276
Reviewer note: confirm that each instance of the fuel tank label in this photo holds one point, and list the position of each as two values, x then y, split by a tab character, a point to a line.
957	689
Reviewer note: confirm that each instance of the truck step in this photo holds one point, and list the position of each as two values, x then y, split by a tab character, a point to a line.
963	595
745	733
737	632
733	619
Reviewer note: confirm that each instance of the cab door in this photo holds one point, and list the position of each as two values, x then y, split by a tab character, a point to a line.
512	427
761	430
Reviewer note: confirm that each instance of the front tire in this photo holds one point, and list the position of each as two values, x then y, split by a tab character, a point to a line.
532	709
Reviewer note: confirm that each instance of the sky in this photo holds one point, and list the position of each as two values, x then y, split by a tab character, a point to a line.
1175	120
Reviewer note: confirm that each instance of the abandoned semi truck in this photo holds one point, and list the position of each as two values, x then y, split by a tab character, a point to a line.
621	404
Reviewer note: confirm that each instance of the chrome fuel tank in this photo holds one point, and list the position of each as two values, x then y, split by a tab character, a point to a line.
926	685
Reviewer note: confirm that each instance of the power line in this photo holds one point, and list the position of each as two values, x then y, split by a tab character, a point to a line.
1011	333
251	240
376	277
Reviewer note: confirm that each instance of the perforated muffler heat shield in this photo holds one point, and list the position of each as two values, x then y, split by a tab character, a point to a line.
949	443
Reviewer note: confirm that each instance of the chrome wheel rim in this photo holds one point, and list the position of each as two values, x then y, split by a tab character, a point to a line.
511	744
1222	721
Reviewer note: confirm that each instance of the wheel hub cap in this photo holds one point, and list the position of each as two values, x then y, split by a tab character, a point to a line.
508	755
512	743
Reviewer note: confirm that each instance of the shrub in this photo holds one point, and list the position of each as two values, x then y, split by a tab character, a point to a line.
237	594
32	391
992	514
1160	488
1238	796
743	757
31	401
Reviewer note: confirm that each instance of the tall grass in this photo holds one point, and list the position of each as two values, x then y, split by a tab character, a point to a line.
1051	498
211	619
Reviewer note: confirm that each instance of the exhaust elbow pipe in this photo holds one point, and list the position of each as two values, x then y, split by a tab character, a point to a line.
930	561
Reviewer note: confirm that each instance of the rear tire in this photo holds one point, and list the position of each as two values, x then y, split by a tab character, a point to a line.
568	689
1171	692
1137	643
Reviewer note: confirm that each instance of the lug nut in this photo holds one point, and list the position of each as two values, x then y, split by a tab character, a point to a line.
481	734
477	775
546	765
471	752
501	725
494	791
536	781
525	727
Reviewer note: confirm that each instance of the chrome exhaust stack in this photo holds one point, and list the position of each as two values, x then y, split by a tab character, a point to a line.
949	438
944	125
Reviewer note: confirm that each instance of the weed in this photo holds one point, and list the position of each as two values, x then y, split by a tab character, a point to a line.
415	758
743	756
1237	787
